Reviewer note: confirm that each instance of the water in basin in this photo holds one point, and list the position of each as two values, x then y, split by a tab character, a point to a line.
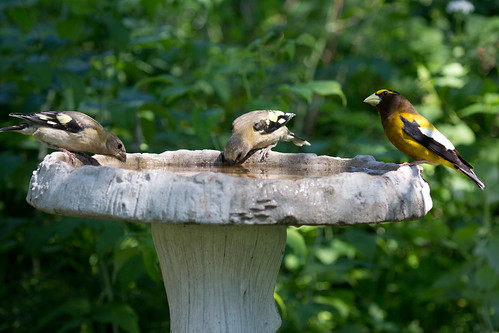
275	166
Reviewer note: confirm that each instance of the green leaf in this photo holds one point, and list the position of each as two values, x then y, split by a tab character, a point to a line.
327	255
10	163
40	73
107	237
325	88
150	6
150	258
77	306
296	242
290	49
489	170
343	248
300	90
119	36
364	242
453	75
160	111
172	93
70	28
205	87
130	272
75	325
489	104
205	121
493	253
162	79
458	134
74	82
222	87
22	16
121	257
486	278
356	328
118	314
306	39
465	236
82	8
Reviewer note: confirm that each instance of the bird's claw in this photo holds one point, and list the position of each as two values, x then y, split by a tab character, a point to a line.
416	164
72	156
265	152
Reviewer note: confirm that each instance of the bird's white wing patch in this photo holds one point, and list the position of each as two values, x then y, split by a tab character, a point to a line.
286	118
437	136
273	115
63	118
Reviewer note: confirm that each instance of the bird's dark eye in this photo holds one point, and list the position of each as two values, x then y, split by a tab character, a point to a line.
239	156
120	146
384	93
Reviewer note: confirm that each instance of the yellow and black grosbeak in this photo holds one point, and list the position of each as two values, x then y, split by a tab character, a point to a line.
256	130
415	136
69	131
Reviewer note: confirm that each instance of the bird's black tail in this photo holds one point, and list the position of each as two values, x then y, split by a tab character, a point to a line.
18	127
297	140
464	169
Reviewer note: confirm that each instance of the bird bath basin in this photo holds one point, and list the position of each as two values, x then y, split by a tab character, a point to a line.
220	232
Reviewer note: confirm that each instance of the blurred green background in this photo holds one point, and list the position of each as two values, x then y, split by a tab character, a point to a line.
165	75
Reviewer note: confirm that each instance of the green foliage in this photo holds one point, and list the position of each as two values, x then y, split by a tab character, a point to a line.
166	75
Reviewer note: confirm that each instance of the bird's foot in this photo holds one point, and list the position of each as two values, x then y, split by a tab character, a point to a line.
84	158
265	152
70	154
415	163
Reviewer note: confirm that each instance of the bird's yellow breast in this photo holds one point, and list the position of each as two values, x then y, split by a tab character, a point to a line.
394	130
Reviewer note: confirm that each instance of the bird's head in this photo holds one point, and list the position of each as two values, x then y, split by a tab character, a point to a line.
235	150
115	148
386	101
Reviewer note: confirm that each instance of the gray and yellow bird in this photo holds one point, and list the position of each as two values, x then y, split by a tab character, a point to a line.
69	131
256	130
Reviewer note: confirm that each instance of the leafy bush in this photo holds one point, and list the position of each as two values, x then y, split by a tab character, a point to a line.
165	75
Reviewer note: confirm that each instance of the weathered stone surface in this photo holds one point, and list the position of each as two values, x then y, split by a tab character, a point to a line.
191	187
219	278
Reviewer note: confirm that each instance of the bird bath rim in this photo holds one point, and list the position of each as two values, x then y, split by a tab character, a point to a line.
159	196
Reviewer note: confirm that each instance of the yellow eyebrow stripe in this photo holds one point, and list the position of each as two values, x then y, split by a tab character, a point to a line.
383	90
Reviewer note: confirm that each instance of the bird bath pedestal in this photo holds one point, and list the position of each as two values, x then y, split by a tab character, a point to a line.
220	232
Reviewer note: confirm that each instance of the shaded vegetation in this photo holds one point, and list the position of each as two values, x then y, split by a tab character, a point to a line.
165	75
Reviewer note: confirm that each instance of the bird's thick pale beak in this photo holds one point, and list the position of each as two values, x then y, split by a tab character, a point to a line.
122	157
373	100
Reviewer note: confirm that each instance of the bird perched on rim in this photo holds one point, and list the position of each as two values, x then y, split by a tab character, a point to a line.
69	131
415	136
256	130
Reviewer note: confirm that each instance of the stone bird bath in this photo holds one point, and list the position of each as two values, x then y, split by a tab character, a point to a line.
220	232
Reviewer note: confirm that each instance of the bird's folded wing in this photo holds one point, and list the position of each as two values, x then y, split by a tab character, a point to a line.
433	140
267	126
52	119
